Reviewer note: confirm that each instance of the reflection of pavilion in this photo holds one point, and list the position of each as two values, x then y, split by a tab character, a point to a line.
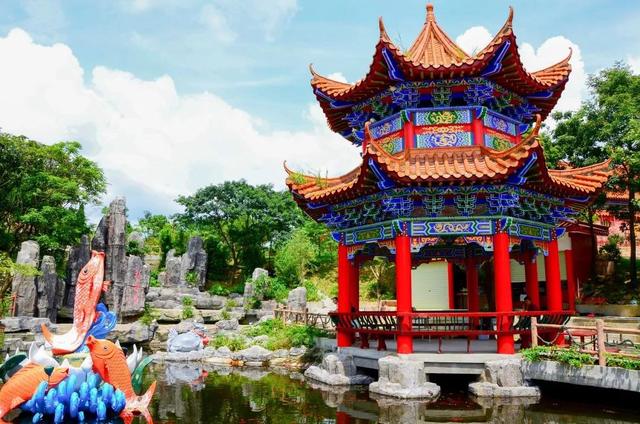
452	169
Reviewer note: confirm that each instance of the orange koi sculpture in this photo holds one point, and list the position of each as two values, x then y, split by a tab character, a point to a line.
21	387
109	361
88	289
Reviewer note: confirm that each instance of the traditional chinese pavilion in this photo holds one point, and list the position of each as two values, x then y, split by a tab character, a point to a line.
452	170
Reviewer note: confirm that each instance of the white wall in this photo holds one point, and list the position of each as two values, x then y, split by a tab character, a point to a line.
430	286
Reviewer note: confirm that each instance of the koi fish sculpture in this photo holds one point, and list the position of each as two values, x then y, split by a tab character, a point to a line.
89	287
110	363
73	393
24	383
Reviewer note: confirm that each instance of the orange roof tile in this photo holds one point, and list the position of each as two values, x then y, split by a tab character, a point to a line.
433	55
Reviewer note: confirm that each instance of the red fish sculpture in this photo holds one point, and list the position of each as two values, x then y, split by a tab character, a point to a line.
23	384
88	289
109	361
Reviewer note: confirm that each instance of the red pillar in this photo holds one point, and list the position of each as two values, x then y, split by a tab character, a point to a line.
477	127
531	278
571	279
345	338
403	291
552	271
473	294
408	133
354	280
452	292
502	282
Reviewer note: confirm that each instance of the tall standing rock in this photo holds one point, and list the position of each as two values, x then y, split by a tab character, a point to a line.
47	286
110	238
172	270
24	286
78	257
136	285
193	267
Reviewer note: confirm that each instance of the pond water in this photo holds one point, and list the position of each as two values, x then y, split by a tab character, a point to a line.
192	394
189	394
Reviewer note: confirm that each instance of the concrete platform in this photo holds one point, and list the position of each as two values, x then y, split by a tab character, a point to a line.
454	358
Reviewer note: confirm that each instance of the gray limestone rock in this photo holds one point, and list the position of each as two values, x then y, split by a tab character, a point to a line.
110	238
78	257
24	286
136	285
503	378
259	272
297	300
20	324
172	270
337	369
228	324
47	284
484	389
403	378
253	354
136	332
193	264
162	278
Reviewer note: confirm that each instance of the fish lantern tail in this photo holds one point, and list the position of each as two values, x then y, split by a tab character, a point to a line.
140	403
47	334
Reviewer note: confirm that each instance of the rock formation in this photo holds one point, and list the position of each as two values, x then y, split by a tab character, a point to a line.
47	287
297	300
136	286
78	256
24	286
172	269
193	265
404	379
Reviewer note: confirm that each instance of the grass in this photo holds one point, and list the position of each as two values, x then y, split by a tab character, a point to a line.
574	358
234	343
187	307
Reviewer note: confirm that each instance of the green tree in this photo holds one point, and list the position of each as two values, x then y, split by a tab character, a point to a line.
295	259
249	221
615	112
43	192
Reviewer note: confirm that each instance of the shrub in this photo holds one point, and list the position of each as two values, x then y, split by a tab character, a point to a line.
313	295
295	258
231	303
285	336
148	314
187	307
191	278
271	288
225	315
218	290
153	279
234	343
134	249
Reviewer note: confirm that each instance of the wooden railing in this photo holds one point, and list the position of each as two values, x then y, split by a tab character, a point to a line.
445	323
597	337
317	320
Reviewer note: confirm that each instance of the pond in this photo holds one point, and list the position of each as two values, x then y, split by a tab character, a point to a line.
189	394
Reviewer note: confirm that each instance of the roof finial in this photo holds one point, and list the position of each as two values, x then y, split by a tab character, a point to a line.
430	15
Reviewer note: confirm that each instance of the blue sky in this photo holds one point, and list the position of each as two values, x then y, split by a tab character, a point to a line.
172	95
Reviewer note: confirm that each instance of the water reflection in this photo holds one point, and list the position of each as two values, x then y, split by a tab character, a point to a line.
197	394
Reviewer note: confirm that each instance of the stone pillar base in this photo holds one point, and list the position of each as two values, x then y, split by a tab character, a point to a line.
404	379
337	369
502	379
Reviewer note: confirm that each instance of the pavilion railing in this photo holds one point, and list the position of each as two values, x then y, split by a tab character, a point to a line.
445	323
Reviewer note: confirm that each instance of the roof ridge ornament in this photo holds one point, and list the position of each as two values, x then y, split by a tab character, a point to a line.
431	17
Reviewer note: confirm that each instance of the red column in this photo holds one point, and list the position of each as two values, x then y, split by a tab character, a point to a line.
345	339
571	279
408	133
502	282
342	418
355	285
403	290
531	278
552	271
477	127
452	292
473	295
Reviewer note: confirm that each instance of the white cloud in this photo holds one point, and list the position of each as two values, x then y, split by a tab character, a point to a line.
550	52
634	63
153	142
474	39
337	76
216	21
